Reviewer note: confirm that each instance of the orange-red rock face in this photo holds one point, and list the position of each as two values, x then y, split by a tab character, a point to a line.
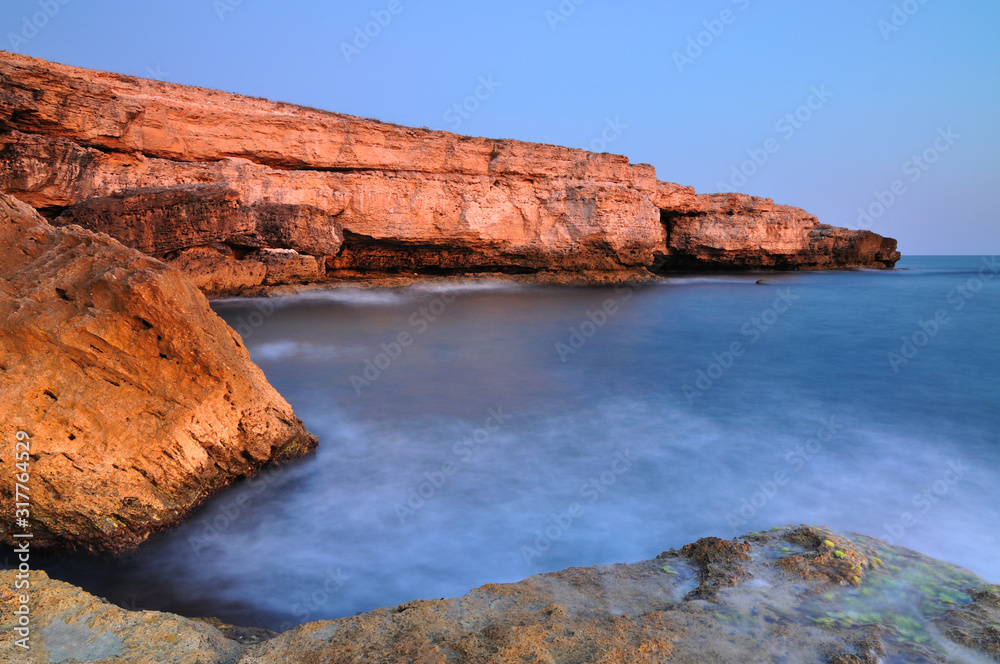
404	199
735	231
139	402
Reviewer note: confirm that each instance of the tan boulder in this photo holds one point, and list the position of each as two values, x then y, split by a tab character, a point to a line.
286	266
217	272
139	401
69	625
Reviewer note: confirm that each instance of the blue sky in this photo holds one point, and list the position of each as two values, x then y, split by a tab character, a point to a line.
696	89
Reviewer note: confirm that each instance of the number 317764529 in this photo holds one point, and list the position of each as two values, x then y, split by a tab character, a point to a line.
22	450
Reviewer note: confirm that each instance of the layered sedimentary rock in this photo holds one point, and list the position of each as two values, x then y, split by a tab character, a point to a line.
736	231
137	400
800	594
164	167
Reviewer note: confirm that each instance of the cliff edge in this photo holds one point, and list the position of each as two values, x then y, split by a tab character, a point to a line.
243	193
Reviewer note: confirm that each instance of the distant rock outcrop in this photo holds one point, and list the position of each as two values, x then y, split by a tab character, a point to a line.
165	168
799	594
138	400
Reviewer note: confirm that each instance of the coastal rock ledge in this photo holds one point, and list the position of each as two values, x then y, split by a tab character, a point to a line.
795	595
138	401
244	194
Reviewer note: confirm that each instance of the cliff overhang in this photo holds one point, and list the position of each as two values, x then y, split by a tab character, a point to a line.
244	193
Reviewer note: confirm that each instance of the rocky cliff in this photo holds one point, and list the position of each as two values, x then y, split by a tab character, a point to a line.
136	400
798	594
211	179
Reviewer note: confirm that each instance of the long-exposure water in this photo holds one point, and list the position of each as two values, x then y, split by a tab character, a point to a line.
485	433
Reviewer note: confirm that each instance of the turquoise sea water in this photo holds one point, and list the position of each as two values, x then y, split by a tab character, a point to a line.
487	433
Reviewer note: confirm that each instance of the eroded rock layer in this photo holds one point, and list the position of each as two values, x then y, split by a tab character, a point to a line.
165	167
137	400
799	594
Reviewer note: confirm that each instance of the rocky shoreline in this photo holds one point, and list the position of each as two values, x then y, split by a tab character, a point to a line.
124	203
243	194
792	594
122	197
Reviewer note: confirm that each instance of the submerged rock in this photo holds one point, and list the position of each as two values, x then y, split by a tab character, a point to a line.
138	401
801	594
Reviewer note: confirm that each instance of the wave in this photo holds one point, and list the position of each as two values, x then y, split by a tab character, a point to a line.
749	280
350	295
286	350
470	285
370	297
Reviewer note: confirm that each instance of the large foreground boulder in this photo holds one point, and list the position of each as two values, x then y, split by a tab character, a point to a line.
137	401
796	595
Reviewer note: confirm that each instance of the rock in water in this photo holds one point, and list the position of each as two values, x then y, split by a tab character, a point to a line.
139	401
801	594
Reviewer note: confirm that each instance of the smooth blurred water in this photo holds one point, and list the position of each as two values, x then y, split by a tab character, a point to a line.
603	457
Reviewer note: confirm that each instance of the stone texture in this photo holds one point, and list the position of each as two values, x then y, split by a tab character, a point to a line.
285	266
712	601
215	270
976	625
69	625
408	200
157	220
139	400
733	231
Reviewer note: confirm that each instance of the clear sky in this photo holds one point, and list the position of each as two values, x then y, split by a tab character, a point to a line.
697	89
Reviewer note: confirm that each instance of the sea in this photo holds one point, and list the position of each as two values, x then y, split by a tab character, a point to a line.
473	433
